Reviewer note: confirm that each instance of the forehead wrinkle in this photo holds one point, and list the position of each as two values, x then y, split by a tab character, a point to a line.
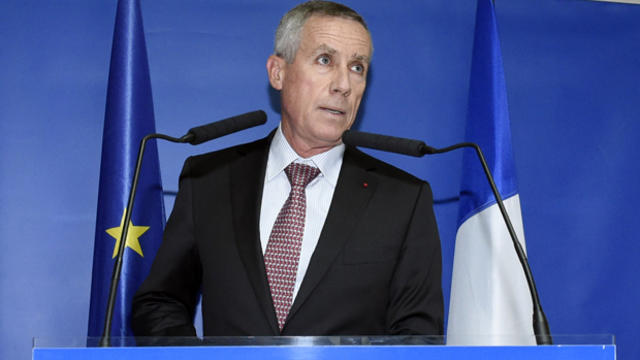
321	32
326	48
344	40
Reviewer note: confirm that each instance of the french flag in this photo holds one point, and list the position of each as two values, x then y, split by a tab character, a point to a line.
490	303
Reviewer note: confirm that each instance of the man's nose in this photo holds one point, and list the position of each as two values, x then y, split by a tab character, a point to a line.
341	83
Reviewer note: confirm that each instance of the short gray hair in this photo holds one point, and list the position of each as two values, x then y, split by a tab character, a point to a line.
290	28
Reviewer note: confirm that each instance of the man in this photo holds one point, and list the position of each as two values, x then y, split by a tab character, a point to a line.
351	249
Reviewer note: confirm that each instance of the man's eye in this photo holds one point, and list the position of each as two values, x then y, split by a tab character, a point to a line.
357	68
324	60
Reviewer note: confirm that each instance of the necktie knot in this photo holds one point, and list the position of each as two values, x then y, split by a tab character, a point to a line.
301	174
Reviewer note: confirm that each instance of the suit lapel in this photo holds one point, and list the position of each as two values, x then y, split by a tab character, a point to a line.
355	187
247	179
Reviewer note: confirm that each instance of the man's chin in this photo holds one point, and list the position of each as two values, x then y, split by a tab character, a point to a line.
330	132
329	138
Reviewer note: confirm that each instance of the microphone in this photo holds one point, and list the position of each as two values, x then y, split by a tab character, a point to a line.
418	148
393	144
194	136
200	134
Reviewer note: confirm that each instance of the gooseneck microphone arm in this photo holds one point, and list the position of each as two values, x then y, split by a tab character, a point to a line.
194	136
418	148
117	267
540	323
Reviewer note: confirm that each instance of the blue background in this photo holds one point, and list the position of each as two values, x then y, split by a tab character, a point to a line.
572	69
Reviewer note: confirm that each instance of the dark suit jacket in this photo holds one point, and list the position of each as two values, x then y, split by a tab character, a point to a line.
376	268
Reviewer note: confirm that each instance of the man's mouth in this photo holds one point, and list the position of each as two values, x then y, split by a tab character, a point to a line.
333	110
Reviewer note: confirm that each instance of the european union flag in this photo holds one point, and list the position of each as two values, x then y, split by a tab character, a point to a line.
128	118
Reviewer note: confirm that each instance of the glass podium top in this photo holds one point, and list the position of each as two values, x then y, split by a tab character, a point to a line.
301	341
567	347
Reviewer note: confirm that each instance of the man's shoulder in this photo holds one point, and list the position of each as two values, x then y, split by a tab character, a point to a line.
232	152
384	170
207	162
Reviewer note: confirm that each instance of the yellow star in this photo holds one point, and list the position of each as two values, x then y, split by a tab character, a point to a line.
133	234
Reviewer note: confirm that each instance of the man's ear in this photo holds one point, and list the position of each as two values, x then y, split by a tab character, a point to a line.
275	70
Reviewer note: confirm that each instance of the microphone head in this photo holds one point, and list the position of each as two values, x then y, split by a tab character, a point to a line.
386	143
227	126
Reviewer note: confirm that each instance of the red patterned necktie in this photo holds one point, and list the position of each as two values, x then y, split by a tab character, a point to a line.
283	248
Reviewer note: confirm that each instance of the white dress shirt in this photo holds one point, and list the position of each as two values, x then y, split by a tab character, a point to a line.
319	193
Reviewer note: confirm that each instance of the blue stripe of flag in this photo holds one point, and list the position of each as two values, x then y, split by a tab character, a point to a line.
487	120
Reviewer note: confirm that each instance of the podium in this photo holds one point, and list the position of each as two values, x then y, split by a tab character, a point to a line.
601	347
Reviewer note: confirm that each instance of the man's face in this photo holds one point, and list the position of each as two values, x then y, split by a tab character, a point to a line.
321	90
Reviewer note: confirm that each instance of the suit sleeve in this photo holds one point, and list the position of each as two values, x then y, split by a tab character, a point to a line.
166	301
415	299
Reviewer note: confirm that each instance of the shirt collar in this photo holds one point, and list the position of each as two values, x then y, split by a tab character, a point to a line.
281	154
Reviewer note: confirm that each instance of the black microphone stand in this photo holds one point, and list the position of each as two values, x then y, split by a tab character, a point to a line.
540	323
105	340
